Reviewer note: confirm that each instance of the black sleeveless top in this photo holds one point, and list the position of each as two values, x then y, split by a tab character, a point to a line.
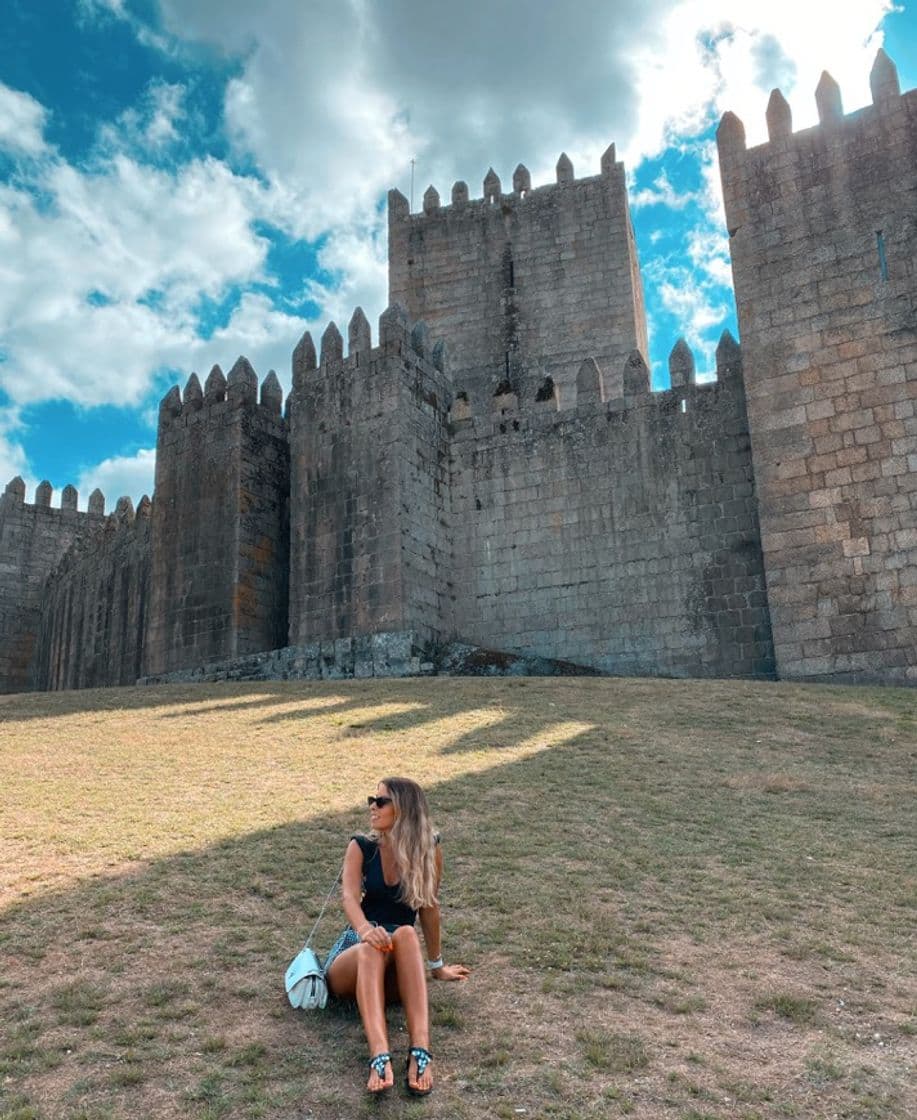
381	903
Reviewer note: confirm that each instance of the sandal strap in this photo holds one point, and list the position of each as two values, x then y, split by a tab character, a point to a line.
379	1062
421	1057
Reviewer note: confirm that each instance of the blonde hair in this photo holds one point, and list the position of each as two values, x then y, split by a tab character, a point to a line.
413	842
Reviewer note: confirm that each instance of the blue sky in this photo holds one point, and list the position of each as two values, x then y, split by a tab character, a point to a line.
182	181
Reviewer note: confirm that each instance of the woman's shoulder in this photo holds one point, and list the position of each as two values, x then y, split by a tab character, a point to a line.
366	844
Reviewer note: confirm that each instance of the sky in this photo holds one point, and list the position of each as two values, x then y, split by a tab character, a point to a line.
185	181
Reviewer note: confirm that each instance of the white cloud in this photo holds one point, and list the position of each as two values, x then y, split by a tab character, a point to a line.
358	260
261	333
100	283
336	98
150	127
22	121
99	289
103	7
708	57
12	456
122	475
662	193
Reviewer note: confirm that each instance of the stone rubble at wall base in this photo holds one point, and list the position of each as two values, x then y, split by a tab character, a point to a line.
390	655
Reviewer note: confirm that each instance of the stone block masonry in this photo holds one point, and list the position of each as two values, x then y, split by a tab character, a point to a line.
93	617
33	539
510	496
526	284
824	254
618	533
371	548
220	522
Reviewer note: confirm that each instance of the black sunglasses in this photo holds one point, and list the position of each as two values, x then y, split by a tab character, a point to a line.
379	802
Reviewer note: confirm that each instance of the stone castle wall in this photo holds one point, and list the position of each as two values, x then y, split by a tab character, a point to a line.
523	285
823	227
619	533
33	539
517	486
93	616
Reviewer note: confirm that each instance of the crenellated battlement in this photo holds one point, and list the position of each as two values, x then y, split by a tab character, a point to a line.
790	160
397	337
493	196
237	391
124	518
597	389
886	95
14	493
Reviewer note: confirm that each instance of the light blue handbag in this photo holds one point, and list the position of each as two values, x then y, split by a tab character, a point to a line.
305	978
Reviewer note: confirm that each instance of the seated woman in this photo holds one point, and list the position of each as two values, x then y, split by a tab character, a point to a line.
390	878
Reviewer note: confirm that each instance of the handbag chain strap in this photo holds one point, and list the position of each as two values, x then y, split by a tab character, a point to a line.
321	912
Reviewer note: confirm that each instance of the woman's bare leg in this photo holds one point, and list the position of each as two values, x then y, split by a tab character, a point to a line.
411	974
359	972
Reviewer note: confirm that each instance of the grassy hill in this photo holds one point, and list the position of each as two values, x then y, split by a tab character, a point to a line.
679	899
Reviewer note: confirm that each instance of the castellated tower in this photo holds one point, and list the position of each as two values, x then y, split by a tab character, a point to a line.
33	539
523	285
220	529
370	546
823	228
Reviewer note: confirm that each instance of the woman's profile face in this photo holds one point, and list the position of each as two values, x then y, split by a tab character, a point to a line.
381	818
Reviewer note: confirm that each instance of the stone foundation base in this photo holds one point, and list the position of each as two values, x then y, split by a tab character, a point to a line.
396	654
392	654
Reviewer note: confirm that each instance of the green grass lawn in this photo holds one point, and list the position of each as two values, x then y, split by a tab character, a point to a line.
679	899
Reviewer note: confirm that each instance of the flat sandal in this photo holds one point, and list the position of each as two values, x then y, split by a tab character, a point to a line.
423	1058
378	1063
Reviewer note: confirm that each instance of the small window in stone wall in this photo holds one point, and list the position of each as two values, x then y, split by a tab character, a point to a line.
883	260
545	391
504	398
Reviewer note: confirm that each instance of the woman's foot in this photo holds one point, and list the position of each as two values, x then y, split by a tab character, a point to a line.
419	1078
380	1074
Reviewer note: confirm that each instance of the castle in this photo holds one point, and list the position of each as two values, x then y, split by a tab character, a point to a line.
496	471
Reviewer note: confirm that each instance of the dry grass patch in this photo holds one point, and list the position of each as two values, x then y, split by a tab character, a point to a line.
677	898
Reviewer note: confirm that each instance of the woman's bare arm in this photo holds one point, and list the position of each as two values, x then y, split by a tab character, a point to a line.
431	924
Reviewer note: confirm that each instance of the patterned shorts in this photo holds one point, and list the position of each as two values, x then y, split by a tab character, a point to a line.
347	939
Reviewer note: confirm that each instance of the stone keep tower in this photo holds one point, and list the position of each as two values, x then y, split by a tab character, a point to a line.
522	286
823	229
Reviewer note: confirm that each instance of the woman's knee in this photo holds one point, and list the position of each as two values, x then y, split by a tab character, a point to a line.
405	936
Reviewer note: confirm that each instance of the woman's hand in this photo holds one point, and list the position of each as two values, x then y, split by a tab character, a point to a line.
378	937
451	972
